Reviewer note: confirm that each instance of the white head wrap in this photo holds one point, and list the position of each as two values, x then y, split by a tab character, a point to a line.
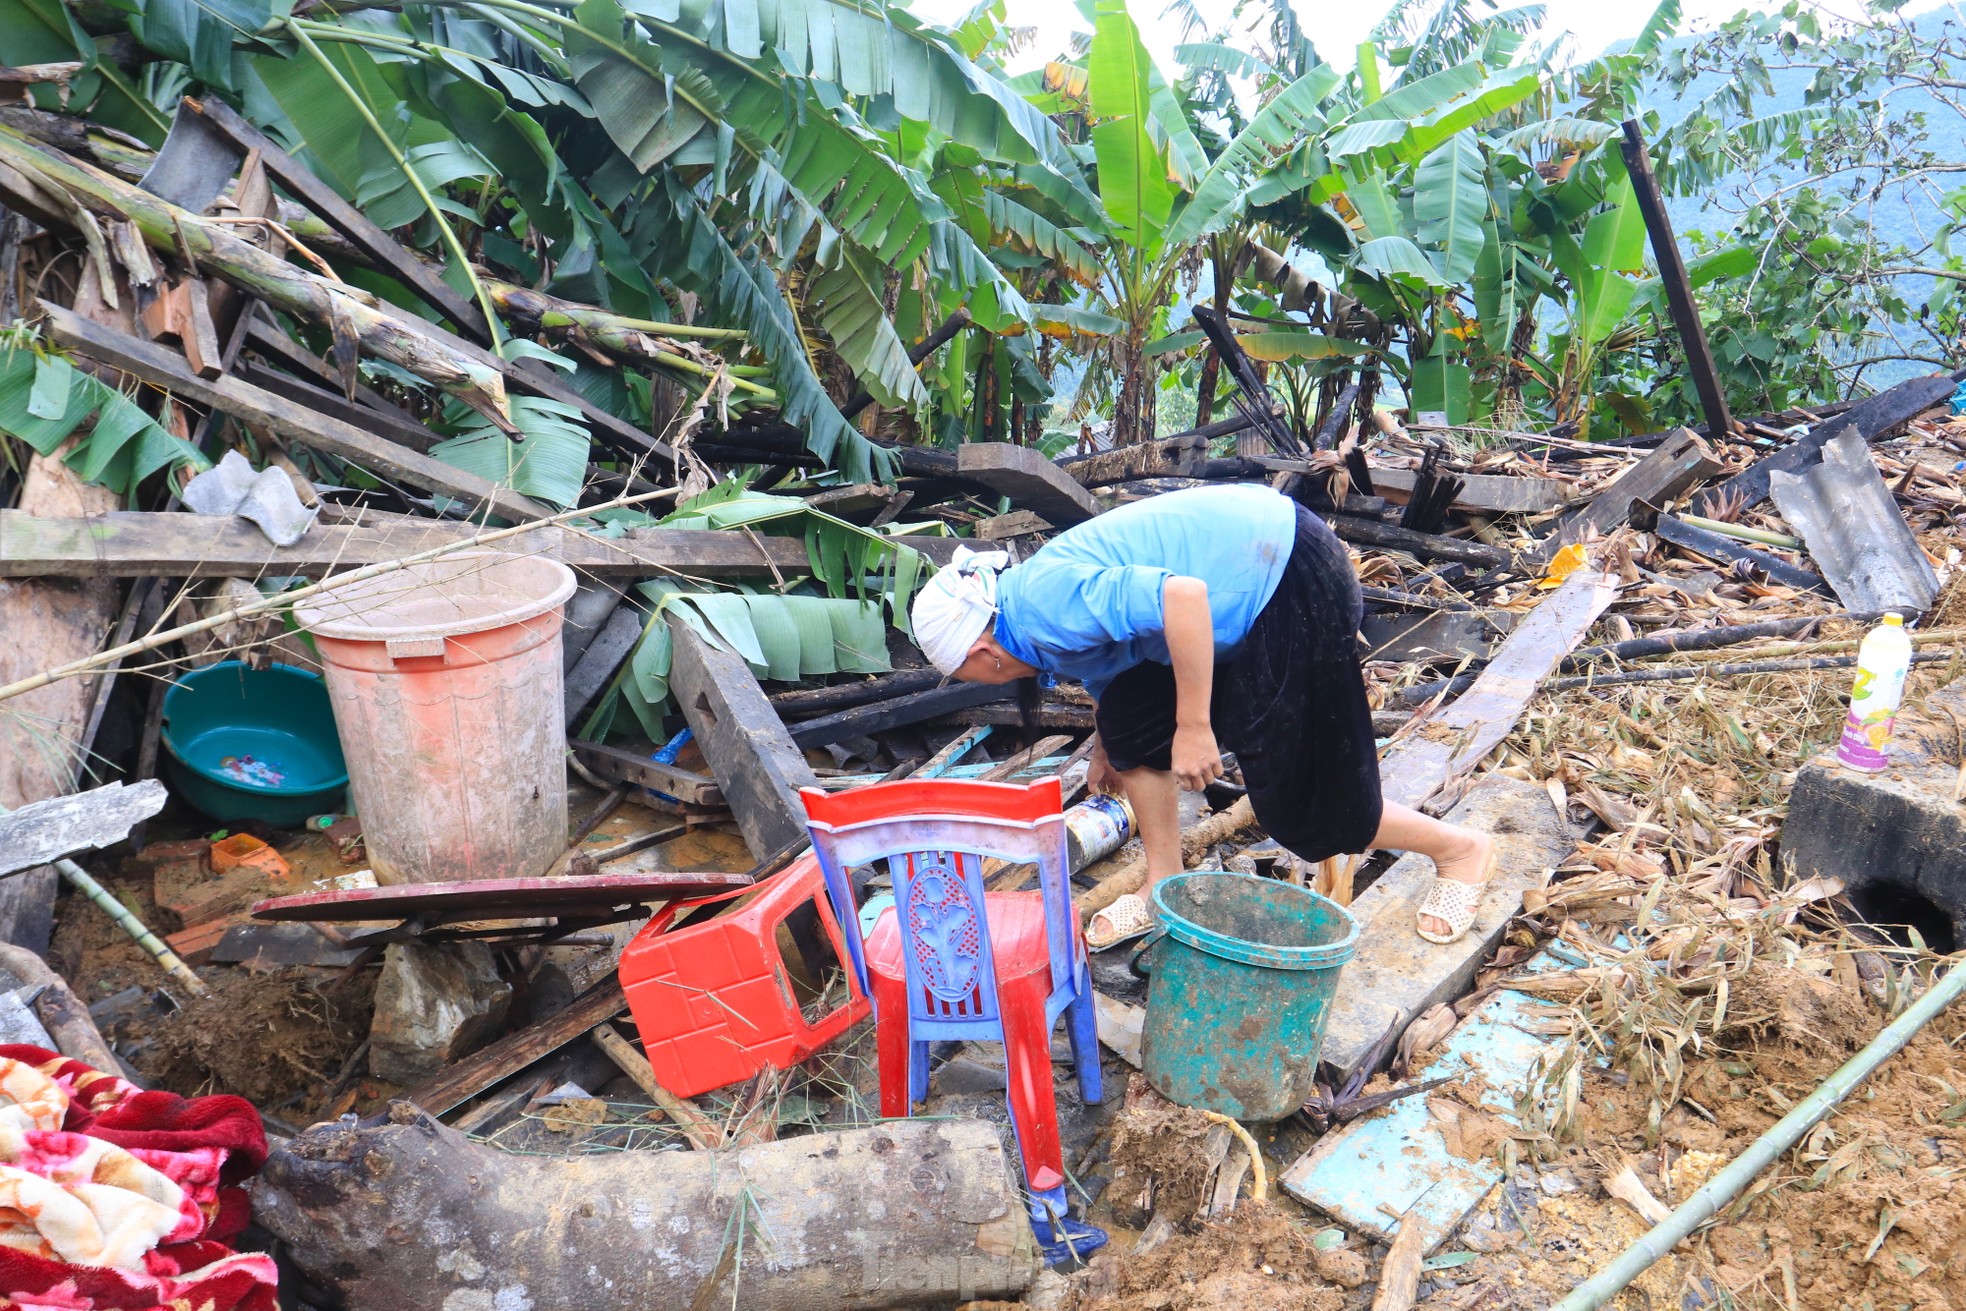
954	607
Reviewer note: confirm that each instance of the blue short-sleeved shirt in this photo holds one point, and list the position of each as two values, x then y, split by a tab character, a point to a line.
1088	604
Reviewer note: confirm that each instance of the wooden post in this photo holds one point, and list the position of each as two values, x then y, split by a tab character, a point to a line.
1679	293
754	761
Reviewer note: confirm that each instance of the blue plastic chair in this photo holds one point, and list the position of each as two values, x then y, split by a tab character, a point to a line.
951	960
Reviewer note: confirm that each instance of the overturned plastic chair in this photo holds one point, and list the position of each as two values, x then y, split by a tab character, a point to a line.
952	961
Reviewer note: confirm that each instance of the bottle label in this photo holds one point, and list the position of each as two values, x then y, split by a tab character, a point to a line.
1865	739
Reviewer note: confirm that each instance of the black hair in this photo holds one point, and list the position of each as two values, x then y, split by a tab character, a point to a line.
1030	704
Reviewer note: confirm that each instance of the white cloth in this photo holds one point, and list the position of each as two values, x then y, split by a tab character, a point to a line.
954	607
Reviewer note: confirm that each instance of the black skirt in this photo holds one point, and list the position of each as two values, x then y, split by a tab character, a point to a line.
1289	701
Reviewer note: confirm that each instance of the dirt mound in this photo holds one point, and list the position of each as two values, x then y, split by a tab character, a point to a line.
1775	1005
1864	1212
265	1037
1259	1259
1156	1141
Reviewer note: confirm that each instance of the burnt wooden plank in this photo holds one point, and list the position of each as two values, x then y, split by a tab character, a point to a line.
290	421
1679	291
596	665
1177	456
514	1052
1486	493
1435	635
753	759
137	544
1716	546
1667	472
1873	417
914	708
1456	739
1424	546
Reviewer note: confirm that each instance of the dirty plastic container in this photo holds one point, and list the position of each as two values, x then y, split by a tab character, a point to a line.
1241	988
446	685
245	743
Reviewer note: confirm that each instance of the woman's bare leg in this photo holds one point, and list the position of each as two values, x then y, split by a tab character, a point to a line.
1458	853
1155	798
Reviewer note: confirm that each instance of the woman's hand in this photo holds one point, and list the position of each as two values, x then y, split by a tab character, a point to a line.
1197	761
1100	776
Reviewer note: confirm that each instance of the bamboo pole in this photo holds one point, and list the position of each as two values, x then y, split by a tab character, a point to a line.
1718	1191
281	600
1743	533
128	922
58	191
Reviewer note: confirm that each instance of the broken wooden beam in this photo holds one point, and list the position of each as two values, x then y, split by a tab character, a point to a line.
1028	479
409	1214
755	762
1177	456
596	667
627	767
1667	472
808	701
915	708
1423	546
1873	417
137	544
290	421
515	1051
1457	738
1679	291
1486	493
1718	546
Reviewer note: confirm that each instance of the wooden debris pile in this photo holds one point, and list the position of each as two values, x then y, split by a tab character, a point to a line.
1614	654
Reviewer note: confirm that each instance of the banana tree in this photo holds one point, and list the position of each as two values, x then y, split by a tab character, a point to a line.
757	158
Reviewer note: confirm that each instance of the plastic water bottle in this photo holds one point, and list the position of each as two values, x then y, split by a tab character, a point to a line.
1882	664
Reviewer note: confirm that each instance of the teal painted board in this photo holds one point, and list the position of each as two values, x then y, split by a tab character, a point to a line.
1397	1159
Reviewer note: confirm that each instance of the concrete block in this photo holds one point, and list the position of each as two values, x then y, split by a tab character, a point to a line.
1896	839
1396	974
433	1004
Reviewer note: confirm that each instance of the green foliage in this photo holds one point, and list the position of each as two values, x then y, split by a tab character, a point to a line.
45	400
827	622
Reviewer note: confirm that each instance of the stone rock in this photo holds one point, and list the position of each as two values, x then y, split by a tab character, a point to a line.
433	1004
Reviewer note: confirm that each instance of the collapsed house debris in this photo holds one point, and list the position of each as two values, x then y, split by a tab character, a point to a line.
643	1023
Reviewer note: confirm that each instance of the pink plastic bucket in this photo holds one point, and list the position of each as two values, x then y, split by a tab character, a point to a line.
445	678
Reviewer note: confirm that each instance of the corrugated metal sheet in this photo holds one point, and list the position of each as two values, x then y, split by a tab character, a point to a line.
1845	514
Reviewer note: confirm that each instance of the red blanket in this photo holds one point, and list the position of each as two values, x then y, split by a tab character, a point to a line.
120	1199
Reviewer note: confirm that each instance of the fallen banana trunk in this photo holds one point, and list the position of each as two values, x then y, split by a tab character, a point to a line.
412	1215
58	191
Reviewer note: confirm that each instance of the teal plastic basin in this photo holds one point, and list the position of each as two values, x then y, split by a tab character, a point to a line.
245	743
1241	988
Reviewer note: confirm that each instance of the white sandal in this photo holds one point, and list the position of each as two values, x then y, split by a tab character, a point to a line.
1125	919
1452	902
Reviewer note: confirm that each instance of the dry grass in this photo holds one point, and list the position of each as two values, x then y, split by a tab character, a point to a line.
1680	903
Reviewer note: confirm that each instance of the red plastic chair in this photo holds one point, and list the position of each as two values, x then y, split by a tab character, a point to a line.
951	960
715	1003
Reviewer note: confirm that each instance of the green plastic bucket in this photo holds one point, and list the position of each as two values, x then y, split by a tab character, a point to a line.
1241	987
245	743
